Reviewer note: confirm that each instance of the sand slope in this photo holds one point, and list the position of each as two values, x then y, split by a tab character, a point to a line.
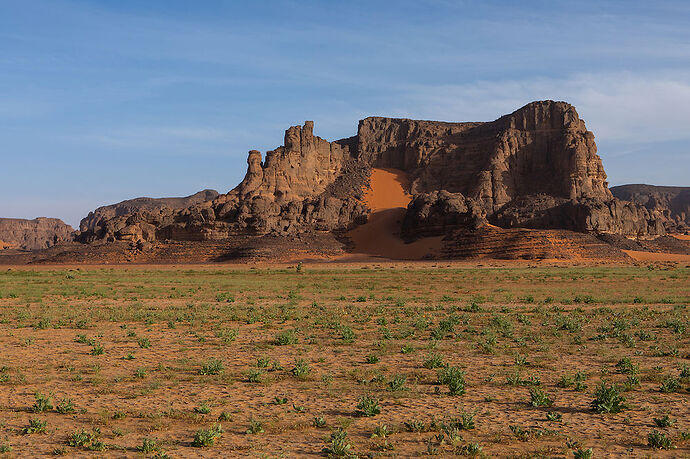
380	236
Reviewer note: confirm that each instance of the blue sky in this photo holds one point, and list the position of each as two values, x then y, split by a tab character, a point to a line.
106	100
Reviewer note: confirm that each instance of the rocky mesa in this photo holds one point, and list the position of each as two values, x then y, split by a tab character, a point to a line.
536	168
39	233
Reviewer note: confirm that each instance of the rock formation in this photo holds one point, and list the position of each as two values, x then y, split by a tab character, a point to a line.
535	168
673	202
39	233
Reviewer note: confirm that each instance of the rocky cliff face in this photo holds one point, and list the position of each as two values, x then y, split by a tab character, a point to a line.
537	168
673	202
306	184
94	220
39	233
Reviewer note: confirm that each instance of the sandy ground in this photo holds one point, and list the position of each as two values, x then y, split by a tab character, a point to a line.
380	236
393	311
652	256
682	237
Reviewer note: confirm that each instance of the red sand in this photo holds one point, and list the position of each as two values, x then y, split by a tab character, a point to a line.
380	236
652	256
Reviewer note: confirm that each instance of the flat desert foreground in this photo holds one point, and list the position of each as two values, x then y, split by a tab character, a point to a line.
369	360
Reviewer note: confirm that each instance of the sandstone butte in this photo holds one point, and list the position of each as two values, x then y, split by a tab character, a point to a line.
534	169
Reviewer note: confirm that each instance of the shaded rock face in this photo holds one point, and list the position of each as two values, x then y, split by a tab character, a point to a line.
39	233
438	212
537	168
673	202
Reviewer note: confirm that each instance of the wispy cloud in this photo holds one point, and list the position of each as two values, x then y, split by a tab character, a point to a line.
616	106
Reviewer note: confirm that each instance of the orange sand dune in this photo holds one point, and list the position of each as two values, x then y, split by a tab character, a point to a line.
682	237
380	236
652	256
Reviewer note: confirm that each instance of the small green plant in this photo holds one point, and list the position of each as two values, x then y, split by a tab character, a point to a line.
669	385
454	378
433	361
407	349
97	349
659	440
254	375
204	438
554	416
338	445
279	400
35	426
149	446
140	373
203	408
301	369
347	335
626	366
42	403
538	397
212	367
286	337
65	406
415	425
368	406
583	453
224	416
381	431
255	427
318	421
664	421
607	399
86	440
397	383
144	343
372	358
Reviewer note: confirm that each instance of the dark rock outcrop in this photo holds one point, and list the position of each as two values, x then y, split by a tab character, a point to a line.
673	202
438	212
39	233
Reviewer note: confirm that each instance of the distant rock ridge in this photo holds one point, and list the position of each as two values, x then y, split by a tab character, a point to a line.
39	233
673	202
534	168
